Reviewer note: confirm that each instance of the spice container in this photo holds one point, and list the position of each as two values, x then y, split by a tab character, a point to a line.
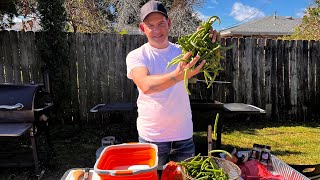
265	155
255	152
241	157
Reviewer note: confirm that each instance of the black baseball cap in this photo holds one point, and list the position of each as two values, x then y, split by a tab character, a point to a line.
152	6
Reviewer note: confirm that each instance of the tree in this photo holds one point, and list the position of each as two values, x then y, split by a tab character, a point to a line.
8	8
310	26
181	12
28	9
53	46
126	13
184	19
84	16
11	8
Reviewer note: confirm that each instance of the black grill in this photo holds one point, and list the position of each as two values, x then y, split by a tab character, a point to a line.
24	108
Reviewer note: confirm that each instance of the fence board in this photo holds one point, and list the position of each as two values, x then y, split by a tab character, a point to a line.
117	61
24	61
112	70
7	57
129	87
72	41
100	72
105	69
293	81
38	64
260	73
314	59
34	64
241	73
305	80
229	68
2	45
301	80
14	43
317	75
91	72
268	57
257	61
232	73
279	74
288	57
274	82
82	75
247	71
124	79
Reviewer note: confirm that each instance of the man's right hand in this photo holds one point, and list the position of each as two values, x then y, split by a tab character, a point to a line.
182	66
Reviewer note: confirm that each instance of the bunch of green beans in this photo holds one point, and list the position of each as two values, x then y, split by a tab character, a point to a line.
201	167
200	42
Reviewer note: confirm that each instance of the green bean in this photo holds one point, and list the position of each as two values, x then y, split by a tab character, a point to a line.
186	80
200	42
214	135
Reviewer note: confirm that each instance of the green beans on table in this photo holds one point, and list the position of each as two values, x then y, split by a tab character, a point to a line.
200	42
201	167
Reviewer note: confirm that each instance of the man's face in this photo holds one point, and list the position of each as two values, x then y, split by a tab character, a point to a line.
156	28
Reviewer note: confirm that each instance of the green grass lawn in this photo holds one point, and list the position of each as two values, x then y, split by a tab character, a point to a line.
293	143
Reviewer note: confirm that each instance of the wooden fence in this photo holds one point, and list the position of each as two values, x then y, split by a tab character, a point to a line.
282	77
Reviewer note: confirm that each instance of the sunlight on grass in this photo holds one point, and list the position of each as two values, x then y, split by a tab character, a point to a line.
293	145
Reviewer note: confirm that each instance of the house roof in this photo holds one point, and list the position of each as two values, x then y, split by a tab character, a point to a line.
270	25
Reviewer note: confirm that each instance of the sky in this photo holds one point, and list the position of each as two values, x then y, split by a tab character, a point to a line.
235	12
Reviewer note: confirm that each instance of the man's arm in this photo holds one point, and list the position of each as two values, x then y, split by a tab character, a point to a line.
157	83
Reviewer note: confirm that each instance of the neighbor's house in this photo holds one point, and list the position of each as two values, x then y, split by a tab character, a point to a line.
267	27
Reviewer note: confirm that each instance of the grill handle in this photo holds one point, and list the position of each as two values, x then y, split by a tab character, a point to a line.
17	106
95	109
40	109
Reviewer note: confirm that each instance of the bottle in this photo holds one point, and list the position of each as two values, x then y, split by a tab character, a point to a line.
265	155
255	152
237	157
241	157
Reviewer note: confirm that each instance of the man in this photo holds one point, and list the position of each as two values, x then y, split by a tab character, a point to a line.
164	113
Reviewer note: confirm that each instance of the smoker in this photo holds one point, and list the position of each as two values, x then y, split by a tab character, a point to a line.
24	108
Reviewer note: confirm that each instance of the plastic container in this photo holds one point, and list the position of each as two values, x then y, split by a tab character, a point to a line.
105	141
255	152
133	161
108	140
265	155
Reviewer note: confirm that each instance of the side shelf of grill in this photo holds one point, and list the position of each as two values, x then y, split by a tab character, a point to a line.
14	129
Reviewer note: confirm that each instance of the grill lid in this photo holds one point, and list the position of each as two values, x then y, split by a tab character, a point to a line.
15	95
17	102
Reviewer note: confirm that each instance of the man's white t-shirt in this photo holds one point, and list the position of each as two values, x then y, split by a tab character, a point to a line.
164	116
